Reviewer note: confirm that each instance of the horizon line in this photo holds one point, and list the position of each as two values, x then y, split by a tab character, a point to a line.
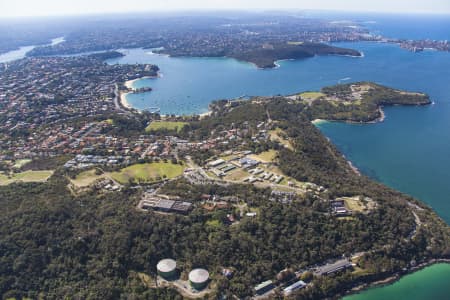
198	10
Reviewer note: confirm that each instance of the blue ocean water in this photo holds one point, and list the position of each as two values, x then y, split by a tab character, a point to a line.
401	26
409	151
430	283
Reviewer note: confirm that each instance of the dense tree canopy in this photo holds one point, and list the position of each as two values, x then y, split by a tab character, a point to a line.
92	245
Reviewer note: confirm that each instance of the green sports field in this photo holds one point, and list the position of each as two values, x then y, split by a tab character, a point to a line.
167	125
27	176
148	172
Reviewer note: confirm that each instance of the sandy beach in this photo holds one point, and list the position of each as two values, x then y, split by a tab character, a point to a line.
318	121
130	83
124	102
205	114
130	86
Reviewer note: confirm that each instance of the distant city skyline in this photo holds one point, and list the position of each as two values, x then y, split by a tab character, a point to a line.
18	8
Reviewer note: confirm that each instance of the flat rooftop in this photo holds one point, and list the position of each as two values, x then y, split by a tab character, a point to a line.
164	204
333	267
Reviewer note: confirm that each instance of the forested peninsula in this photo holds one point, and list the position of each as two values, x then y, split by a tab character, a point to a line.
266	56
256	193
359	102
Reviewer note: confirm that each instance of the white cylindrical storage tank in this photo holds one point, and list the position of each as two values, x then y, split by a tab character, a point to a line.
199	278
167	268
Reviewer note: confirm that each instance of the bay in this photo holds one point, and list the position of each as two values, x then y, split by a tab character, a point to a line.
22	51
15	54
409	151
429	283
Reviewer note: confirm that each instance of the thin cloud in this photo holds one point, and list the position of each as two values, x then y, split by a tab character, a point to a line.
11	8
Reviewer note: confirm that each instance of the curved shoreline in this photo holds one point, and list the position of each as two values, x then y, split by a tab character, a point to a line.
391	279
123	100
129	84
379	119
318	121
358	288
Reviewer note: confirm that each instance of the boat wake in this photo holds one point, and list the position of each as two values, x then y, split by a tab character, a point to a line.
344	79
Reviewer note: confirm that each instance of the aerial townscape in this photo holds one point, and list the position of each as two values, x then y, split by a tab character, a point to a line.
250	200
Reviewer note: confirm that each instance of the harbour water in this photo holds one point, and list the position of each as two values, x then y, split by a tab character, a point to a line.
429	283
409	151
15	54
22	51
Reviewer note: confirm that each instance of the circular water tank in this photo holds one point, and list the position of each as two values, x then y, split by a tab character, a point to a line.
166	267
199	278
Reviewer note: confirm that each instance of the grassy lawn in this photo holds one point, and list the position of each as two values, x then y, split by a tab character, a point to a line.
275	170
358	205
213	223
286	179
237	175
148	172
311	96
86	178
360	272
354	204
278	136
211	175
28	176
284	189
4	180
21	162
228	157
266	157
159	125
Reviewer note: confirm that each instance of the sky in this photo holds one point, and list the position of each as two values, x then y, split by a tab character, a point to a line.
14	8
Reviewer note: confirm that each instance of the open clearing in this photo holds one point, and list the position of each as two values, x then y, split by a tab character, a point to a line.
311	96
265	157
165	125
148	172
21	162
277	171
229	157
86	178
359	204
237	175
278	135
28	176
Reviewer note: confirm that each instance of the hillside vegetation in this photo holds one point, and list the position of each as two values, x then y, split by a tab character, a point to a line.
360	102
56	244
265	57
